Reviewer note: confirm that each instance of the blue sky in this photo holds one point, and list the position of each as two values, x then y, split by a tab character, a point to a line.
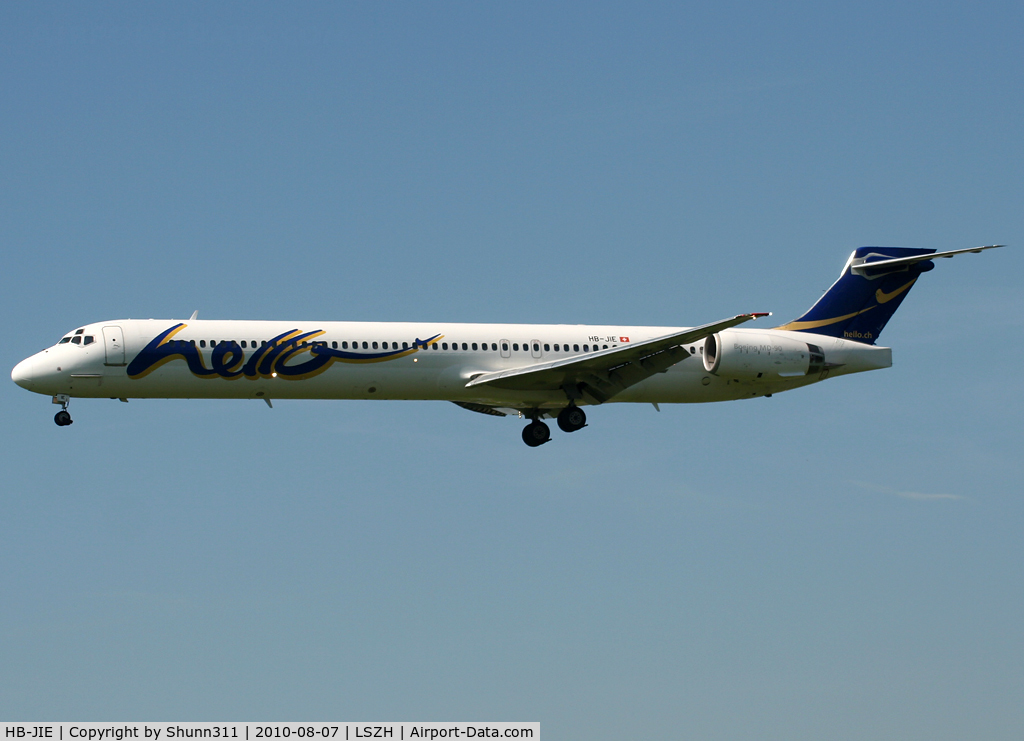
843	561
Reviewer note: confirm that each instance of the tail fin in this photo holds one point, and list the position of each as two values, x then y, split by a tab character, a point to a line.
862	301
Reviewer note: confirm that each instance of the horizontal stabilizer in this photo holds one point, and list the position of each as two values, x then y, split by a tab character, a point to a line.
873	267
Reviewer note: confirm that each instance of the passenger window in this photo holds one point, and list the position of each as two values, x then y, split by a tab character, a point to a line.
604	347
576	348
202	343
89	339
243	344
405	345
515	346
365	346
504	346
474	346
444	345
334	345
374	345
465	346
556	347
586	348
536	347
433	346
76	340
547	347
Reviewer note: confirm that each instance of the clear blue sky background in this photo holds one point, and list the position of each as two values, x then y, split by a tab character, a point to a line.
840	562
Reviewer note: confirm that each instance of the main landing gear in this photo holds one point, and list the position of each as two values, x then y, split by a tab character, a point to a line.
536	433
62	418
570	419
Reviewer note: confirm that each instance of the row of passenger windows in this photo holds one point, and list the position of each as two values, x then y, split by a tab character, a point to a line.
368	345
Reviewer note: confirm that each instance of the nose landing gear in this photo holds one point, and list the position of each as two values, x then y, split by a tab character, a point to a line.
62	418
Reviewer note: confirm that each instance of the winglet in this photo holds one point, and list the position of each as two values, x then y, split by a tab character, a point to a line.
194	315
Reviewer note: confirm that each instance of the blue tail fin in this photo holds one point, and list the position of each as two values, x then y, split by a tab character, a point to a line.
862	301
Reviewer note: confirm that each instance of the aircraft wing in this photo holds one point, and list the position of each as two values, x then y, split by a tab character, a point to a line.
598	376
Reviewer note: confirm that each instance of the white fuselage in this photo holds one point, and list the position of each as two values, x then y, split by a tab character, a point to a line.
375	360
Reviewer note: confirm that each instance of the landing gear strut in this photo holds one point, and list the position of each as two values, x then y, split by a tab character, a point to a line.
571	419
536	433
62	418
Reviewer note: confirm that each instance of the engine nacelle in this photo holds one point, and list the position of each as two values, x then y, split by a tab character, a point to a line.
749	356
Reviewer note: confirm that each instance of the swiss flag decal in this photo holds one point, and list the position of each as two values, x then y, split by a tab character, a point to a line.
623	339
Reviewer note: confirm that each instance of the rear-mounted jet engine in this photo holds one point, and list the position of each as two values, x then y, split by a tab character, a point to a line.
747	356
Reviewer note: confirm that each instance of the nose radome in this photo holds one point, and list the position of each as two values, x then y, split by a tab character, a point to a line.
22	373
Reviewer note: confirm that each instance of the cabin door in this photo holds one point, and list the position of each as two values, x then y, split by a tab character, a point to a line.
113	345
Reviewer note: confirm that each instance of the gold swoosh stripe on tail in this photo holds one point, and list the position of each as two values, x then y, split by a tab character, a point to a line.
884	298
798	326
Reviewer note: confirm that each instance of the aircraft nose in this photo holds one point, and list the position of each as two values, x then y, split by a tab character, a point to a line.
22	373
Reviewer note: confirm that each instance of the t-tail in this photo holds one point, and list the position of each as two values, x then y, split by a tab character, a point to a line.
870	289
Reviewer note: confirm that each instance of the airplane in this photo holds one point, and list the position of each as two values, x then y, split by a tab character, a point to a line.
532	371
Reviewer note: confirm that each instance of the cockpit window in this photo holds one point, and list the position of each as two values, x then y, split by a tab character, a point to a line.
79	331
76	340
89	339
64	340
